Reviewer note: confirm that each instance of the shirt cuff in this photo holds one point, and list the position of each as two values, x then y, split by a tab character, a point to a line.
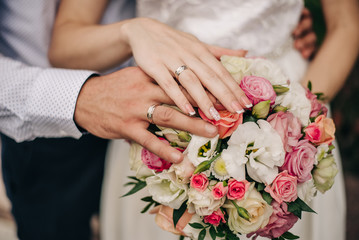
52	101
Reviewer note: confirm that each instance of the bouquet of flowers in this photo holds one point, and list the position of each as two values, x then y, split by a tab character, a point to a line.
257	175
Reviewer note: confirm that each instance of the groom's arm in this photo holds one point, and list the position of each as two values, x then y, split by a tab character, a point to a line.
38	102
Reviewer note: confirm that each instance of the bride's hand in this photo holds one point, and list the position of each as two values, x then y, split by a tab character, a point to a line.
115	106
160	50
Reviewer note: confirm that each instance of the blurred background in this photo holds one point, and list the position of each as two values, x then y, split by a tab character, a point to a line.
345	108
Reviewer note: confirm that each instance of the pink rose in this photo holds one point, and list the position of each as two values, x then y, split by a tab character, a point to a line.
280	222
300	161
219	191
258	89
321	131
152	161
227	124
288	127
317	107
283	188
199	181
215	218
237	190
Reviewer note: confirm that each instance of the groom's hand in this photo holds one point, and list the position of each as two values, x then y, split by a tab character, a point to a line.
115	106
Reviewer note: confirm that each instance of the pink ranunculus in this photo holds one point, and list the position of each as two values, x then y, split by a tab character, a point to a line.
300	161
288	127
283	188
219	191
199	181
321	131
237	190
280	222
317	107
154	162
258	89
227	124
215	218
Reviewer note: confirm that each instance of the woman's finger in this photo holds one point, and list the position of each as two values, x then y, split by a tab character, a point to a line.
219	51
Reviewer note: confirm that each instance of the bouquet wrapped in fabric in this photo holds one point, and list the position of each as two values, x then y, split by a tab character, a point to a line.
257	176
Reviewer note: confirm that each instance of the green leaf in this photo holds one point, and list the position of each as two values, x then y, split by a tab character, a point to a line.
213	232
136	188
304	206
309	85
288	235
181	237
147	207
279	89
267	197
147	199
231	236
129	183
196	225
177	213
249	118
202	234
242	212
133	178
260	187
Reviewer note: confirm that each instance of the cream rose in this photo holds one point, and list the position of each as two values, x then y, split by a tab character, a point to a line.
238	67
203	203
267	69
306	191
165	189
258	209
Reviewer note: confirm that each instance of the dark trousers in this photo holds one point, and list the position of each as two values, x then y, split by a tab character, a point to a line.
54	185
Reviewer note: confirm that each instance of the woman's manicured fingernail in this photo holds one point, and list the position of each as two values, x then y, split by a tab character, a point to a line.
190	109
245	101
237	107
214	113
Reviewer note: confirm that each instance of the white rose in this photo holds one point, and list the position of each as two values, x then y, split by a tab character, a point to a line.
259	147
258	209
296	102
306	191
195	145
269	70
166	190
203	203
324	174
236	66
136	164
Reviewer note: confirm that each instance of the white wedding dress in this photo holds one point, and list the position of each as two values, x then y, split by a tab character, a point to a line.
264	28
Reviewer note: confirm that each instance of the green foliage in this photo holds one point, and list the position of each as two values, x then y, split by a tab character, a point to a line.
177	213
298	206
138	185
287	235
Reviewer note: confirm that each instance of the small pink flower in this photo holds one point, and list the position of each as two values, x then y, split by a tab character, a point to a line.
152	161
321	131
300	161
280	222
258	89
199	181
283	188
227	124
215	218
317	107
288	127
219	191
237	190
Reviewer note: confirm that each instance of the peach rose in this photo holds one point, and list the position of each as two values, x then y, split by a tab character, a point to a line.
283	188
227	124
164	219
320	131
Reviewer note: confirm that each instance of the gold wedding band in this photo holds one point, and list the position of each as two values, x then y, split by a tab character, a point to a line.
150	112
180	70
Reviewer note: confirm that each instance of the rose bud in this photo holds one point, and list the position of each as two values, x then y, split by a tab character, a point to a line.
324	174
261	109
